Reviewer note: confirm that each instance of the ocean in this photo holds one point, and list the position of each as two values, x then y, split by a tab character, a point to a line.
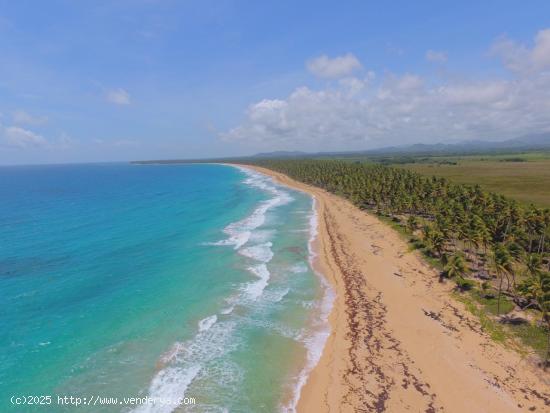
173	282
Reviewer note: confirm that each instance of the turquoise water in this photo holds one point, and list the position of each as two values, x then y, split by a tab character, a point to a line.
166	281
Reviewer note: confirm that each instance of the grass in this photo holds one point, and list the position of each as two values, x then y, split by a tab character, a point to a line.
524	177
491	304
495	330
484	307
530	334
413	242
526	338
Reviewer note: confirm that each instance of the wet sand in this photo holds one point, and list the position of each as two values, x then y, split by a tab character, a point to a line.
399	341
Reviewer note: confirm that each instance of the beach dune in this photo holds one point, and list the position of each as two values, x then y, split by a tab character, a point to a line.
399	341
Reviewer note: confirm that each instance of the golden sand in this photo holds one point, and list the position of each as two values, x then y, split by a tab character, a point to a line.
399	342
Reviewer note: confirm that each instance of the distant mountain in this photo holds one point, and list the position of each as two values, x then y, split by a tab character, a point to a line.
527	142
541	140
524	143
281	154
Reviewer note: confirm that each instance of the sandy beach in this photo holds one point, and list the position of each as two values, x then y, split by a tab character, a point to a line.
399	342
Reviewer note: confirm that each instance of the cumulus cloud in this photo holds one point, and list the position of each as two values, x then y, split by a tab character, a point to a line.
16	137
354	85
436	57
118	96
340	66
474	93
520	58
357	113
23	118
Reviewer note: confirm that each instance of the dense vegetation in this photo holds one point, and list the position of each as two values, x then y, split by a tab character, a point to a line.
524	177
492	246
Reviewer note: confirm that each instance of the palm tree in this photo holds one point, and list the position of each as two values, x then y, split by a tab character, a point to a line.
456	266
427	236
502	263
533	264
412	223
537	287
457	218
438	243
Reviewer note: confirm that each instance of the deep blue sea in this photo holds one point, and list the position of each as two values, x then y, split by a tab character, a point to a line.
167	281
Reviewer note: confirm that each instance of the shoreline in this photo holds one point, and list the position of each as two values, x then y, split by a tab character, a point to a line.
398	340
320	326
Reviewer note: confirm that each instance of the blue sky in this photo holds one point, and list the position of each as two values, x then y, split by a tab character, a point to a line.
119	80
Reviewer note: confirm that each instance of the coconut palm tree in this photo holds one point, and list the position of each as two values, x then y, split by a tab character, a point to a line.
456	266
537	287
412	223
502	263
533	264
455	217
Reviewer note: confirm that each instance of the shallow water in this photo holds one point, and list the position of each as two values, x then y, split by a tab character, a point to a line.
162	280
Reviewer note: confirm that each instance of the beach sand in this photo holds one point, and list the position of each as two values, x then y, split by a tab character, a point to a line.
399	342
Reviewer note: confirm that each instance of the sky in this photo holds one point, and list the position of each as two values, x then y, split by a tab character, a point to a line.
143	79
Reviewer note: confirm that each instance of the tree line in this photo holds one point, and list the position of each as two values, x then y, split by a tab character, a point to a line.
481	239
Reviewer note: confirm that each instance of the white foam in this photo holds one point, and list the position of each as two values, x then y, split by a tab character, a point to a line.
260	252
313	229
169	384
200	363
255	289
240	232
227	310
189	361
277	295
207	322
260	235
171	354
299	268
315	340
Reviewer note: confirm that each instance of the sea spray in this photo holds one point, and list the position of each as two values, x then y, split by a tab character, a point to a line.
197	285
319	330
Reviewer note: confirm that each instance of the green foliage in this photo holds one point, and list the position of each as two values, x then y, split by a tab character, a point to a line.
495	330
456	267
464	284
532	335
527	181
490	304
412	223
537	288
464	229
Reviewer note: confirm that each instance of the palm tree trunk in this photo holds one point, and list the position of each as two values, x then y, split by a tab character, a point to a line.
499	293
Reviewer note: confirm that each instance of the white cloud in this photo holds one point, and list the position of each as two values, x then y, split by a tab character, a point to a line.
118	96
541	51
475	93
356	113
305	116
436	57
408	82
16	137
23	118
355	85
520	58
340	66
